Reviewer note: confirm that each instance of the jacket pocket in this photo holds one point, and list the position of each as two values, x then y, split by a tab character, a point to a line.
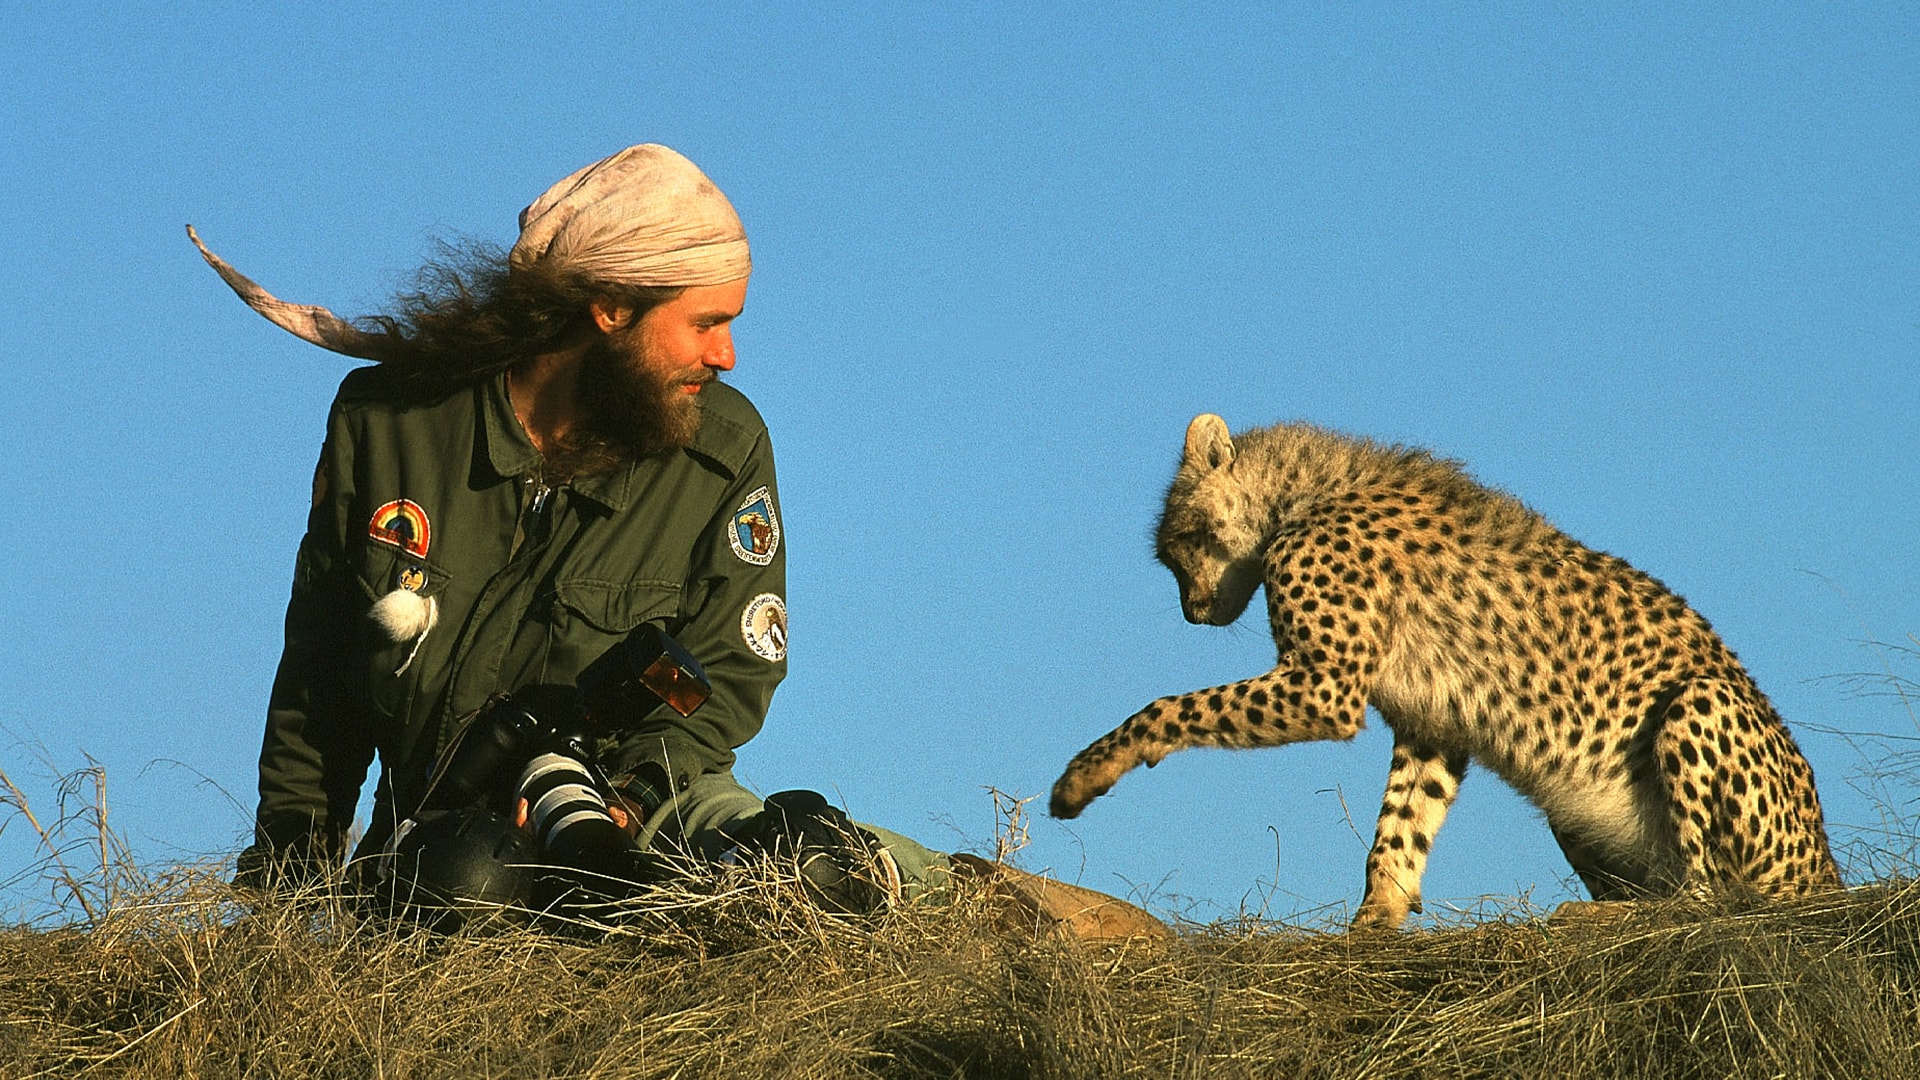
395	661
589	617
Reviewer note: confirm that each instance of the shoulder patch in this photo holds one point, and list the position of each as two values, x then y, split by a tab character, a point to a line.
764	627
404	525
754	532
320	477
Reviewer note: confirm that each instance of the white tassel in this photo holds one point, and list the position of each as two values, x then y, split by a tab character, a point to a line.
406	616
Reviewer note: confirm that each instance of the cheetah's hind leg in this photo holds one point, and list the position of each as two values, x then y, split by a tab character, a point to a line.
1741	797
1606	881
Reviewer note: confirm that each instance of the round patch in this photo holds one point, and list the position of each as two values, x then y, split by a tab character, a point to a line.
404	525
754	532
764	626
410	578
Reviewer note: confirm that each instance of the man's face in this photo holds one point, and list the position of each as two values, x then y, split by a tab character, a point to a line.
639	380
690	338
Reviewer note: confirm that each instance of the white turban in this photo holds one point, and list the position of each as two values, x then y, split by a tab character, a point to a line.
645	216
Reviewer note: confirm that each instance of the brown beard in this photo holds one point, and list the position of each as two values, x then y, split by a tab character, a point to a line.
628	410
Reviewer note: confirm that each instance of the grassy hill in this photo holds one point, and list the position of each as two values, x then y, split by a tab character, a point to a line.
741	978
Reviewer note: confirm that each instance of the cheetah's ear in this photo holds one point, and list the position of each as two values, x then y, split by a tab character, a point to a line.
1209	446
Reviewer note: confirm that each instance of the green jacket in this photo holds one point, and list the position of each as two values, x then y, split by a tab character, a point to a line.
444	499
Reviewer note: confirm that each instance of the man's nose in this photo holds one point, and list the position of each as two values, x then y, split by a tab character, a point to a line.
720	353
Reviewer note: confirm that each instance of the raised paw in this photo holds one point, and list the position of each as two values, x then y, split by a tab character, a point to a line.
1078	786
1094	771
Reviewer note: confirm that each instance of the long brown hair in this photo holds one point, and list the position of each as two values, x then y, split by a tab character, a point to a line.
469	315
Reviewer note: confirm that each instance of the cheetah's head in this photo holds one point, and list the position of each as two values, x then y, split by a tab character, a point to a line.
1208	535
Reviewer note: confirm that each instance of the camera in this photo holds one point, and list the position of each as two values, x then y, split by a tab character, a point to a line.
516	811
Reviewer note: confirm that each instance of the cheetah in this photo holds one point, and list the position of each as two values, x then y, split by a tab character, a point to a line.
1480	632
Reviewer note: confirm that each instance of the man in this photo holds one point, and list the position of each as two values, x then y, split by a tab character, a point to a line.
541	461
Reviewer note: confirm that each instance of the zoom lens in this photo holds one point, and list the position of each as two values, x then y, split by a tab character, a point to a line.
567	814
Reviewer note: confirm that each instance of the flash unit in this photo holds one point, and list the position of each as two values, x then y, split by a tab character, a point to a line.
648	666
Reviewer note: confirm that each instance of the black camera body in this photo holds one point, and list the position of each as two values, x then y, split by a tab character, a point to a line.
516	811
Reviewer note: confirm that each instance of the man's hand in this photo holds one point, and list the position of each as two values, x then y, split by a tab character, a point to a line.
636	795
626	813
290	868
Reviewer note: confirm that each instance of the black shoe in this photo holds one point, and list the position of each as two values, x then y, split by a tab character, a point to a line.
843	868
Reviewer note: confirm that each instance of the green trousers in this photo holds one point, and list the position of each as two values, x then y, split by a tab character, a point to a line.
703	821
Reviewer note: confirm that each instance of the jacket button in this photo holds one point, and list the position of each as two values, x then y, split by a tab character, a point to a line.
682	782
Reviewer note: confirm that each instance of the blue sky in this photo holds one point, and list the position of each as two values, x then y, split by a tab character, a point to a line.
1655	271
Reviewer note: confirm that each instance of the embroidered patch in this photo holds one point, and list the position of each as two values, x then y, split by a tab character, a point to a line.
411	578
404	525
764	626
754	531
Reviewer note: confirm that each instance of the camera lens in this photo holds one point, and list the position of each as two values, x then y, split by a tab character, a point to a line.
567	814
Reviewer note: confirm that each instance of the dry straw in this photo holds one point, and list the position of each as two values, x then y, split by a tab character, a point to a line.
735	975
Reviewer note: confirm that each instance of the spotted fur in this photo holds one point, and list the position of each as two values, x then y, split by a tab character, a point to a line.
1479	632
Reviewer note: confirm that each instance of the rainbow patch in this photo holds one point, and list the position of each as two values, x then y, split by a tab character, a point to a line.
404	525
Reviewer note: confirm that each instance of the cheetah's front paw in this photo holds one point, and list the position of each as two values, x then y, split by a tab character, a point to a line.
1094	771
1083	782
1381	915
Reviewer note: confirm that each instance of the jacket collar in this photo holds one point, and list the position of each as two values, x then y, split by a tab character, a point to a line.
508	448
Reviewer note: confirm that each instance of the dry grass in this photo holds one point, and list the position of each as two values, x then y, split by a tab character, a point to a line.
740	978
735	975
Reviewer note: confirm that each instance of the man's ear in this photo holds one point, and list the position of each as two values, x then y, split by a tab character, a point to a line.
610	315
